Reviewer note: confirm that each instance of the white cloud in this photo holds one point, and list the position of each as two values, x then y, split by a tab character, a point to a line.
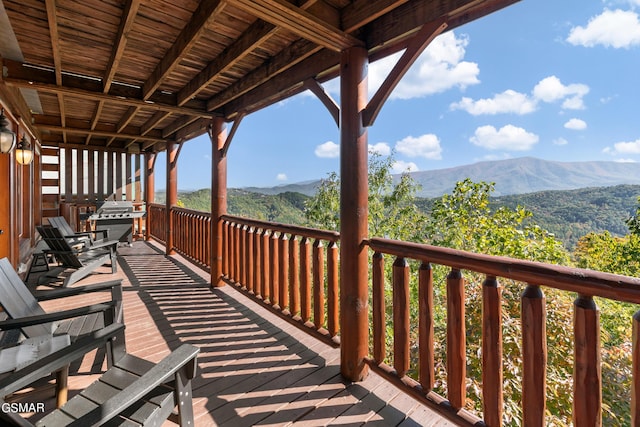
427	146
328	150
509	138
400	166
439	68
281	177
508	101
381	148
551	89
625	161
612	28
576	124
625	147
560	141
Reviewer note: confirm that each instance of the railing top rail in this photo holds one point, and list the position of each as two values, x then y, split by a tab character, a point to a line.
191	211
582	281
332	236
158	205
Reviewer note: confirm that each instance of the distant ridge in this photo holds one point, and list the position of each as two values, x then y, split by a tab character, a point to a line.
511	176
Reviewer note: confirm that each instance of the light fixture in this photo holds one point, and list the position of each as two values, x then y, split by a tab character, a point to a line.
7	137
24	154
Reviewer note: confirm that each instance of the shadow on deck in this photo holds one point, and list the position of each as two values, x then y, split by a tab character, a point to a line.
254	367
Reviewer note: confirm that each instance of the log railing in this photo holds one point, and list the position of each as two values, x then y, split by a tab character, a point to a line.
293	269
188	223
587	284
157	221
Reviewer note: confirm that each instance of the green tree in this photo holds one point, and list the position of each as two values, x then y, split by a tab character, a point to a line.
392	211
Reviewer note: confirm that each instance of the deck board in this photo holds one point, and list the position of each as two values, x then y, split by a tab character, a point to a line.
254	367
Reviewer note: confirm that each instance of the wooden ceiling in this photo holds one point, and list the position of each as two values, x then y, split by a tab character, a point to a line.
131	74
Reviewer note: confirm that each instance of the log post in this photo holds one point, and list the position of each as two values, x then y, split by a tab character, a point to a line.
354	211
534	356
172	192
149	190
587	375
218	197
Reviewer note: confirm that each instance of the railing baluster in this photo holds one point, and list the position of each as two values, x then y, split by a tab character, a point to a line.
587	375
242	256
534	356
426	326
492	352
401	356
635	361
305	279
333	322
283	278
226	248
318	284
379	326
264	247
274	289
294	275
257	269
236	252
251	257
456	347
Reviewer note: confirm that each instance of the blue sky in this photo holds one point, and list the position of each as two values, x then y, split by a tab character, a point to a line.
551	79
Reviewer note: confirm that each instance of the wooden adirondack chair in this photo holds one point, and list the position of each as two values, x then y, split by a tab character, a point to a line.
133	391
86	238
82	261
27	316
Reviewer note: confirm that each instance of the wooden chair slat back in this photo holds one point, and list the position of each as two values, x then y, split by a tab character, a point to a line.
18	302
61	224
57	243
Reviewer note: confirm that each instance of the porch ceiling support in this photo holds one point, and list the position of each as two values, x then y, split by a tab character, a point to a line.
172	192
416	46
354	210
149	187
219	145
325	98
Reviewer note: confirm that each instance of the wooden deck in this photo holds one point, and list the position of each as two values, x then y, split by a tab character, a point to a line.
254	367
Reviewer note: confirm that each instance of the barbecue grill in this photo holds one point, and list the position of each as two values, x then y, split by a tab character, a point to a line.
116	217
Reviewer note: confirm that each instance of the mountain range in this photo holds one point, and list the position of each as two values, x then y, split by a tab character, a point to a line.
511	176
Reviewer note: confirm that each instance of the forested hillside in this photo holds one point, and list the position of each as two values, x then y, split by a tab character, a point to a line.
568	214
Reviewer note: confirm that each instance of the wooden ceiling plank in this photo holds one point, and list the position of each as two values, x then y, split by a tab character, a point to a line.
289	57
361	12
284	84
283	14
98	133
185	41
253	37
127	117
97	96
126	23
417	45
155	120
177	125
94	119
250	39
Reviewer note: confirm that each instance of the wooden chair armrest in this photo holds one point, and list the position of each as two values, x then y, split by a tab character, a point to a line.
57	360
103	243
182	358
55	316
66	292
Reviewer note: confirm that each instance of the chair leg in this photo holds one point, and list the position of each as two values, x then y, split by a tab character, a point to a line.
62	386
